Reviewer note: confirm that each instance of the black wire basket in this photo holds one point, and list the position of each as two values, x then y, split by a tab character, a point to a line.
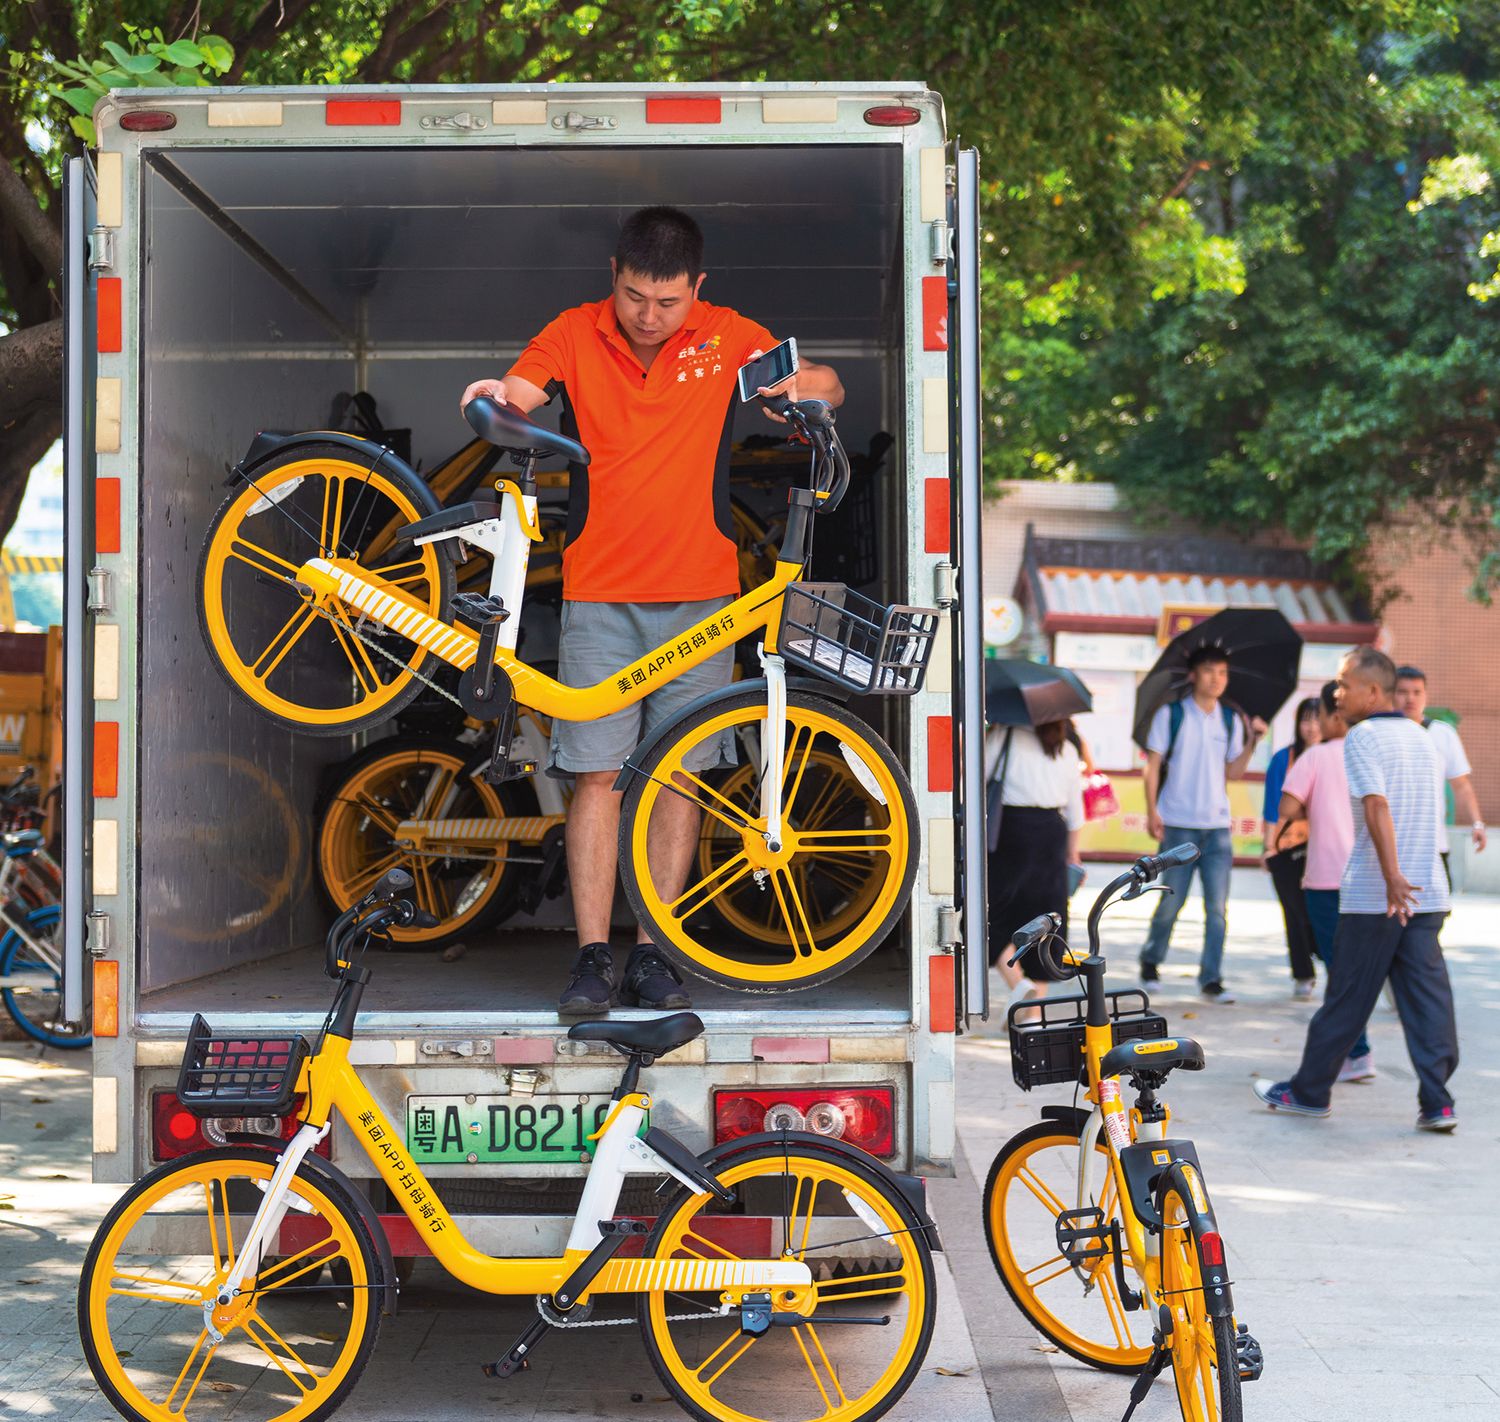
240	1075
845	637
1050	1049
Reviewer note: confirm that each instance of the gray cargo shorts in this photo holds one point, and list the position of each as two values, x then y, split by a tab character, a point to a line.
597	639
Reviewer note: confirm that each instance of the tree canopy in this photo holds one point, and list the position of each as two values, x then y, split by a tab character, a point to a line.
1162	180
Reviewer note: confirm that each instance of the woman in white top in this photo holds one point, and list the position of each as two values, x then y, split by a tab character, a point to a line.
1039	780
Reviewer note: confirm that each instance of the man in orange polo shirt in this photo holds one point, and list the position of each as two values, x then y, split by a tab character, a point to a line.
648	383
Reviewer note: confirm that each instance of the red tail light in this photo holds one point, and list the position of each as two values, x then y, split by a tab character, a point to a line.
148	120
862	1115
893	116
176	1132
1211	1248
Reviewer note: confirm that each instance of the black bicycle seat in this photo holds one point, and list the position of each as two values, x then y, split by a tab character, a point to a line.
1152	1058
656	1035
508	429
449	519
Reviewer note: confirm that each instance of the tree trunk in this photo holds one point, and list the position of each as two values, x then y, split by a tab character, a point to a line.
22	444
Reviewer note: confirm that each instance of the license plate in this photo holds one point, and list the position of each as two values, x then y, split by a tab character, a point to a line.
503	1129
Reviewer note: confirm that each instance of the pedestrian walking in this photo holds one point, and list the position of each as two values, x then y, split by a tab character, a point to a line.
1036	784
1316	794
1284	851
1392	901
1411	702
1194	747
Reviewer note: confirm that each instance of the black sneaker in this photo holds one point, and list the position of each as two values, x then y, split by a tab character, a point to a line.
651	981
1149	972
1217	992
592	989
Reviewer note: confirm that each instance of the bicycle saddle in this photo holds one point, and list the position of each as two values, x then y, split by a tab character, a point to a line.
507	428
1152	1058
656	1035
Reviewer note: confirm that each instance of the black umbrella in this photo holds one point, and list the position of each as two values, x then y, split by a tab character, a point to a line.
1022	693
1263	650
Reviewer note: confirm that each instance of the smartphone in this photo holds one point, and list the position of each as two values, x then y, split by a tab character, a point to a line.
769	369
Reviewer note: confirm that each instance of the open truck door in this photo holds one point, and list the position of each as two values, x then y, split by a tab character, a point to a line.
80	219
967	507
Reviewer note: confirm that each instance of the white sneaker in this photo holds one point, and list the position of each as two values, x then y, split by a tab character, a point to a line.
1302	989
1217	992
1358	1069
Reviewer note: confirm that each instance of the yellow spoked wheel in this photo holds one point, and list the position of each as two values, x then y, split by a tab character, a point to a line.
868	853
1204	1367
1033	1179
293	1343
323	668
841	890
420	784
869	1258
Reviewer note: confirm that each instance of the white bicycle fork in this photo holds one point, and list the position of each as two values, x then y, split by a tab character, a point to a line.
773	747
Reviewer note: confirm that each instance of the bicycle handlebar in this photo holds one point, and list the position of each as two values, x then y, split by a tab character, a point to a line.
814	422
382	907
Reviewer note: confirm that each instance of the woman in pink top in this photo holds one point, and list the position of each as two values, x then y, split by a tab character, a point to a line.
1316	790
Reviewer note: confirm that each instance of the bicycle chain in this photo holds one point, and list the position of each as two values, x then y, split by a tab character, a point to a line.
391	657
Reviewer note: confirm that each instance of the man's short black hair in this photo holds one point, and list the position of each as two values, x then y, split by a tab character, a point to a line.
660	243
1329	699
1203	656
1411	673
1374	666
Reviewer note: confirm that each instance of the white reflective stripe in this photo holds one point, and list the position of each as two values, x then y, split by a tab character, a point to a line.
110	203
106	1115
933	169
106	856
939	846
107	661
107	412
518	112
245	113
935	414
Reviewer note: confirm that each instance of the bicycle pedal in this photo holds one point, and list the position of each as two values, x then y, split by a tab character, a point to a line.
478	608
1082	1235
1249	1361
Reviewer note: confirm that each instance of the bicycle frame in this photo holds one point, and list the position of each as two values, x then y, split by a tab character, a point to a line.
16	923
330	1084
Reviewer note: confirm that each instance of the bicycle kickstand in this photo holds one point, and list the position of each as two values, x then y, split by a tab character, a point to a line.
1154	1364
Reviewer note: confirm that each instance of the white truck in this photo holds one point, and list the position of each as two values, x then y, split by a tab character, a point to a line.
239	257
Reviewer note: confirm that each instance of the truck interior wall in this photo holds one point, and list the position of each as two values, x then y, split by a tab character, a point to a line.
442	262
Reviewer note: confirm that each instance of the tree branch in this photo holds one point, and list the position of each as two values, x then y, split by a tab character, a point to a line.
274	15
31	368
397	43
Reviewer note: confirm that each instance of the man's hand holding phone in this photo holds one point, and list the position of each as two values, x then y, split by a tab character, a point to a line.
779	358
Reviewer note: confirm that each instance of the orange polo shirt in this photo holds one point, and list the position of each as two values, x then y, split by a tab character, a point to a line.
648	519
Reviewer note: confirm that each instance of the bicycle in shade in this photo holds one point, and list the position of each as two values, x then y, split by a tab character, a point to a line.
1098	1221
788	1275
325	637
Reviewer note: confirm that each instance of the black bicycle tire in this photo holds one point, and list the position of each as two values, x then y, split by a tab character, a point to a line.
422	497
1231	1401
729	700
328	1186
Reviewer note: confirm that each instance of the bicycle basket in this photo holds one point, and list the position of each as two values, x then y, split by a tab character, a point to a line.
1050	1049
844	637
238	1076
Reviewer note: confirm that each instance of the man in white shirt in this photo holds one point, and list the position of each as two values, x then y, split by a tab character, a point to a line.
1195	746
1411	702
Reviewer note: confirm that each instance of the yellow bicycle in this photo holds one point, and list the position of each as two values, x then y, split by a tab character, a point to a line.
788	1275
324	637
1099	1223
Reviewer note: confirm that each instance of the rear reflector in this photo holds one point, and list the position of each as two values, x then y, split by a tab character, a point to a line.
892	116
106	515
942	1010
106	1009
934	313
148	120
936	513
107	314
177	1132
106	759
1211	1248
381	112
940	755
683	110
862	1115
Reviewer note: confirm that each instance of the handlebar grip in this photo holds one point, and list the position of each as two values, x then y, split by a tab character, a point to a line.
420	918
392	884
1153	864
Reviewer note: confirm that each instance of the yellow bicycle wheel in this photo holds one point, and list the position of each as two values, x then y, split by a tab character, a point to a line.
1204	1366
869	1257
1033	1179
838	895
325	669
292	1345
405	779
873	842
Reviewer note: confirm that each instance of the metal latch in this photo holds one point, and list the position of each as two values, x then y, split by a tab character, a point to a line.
948	933
525	1080
576	122
101	249
459	1047
464	121
98	590
945	584
942	243
97	933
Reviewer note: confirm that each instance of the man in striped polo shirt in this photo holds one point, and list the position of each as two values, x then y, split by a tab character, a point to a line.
1392	902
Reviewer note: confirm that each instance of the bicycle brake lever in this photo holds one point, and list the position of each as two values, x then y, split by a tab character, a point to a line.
1136	890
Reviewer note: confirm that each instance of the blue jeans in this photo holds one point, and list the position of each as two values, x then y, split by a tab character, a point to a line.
1215	858
1323	910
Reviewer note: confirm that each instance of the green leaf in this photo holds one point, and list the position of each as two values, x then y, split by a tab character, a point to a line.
132	63
83	100
182	52
84	128
218	53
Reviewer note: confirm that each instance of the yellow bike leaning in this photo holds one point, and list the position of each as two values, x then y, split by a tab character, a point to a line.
324	639
788	1275
1099	1223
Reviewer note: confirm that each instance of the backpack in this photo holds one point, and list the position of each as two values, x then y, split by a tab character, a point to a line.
1175	714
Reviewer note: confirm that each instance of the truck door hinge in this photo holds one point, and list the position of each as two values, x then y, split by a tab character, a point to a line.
99	590
576	122
949	937
942	243
101	249
459	1047
944	584
464	121
97	934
